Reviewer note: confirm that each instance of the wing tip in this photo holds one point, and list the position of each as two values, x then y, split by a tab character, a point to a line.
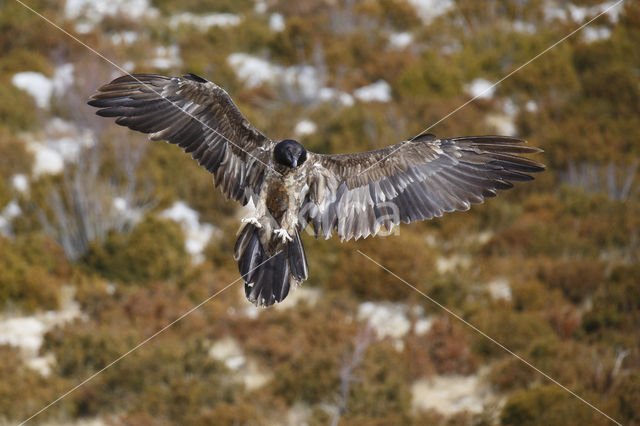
194	77
423	137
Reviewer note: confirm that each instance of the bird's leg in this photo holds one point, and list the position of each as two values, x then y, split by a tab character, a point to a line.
283	234
252	220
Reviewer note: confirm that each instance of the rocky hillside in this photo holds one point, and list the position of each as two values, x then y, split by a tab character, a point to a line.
107	238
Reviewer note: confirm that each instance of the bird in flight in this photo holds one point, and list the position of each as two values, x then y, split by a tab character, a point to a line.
354	195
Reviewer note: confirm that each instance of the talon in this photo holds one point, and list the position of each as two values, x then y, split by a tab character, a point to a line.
283	234
251	220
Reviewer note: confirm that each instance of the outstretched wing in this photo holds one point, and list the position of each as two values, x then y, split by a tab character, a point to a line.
197	115
357	194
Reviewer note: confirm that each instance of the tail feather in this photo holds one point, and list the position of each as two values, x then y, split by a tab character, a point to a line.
270	283
252	255
268	277
297	259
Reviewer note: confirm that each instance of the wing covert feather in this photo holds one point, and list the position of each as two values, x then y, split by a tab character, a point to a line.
196	115
358	194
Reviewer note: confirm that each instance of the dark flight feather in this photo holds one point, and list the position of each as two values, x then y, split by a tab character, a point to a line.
423	178
195	114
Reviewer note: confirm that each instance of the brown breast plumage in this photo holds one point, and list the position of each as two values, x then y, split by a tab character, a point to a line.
277	199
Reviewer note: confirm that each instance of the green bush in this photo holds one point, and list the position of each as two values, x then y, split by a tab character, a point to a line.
18	109
577	279
616	306
33	271
514	330
380	389
153	250
548	405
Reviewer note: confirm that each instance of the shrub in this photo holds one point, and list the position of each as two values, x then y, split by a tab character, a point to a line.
14	157
30	276
514	330
18	108
153	250
24	390
548	405
303	347
380	389
510	373
616	306
577	278
449	347
627	397
192	184
406	255
174	381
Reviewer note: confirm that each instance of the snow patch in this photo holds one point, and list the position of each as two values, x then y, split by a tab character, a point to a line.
449	264
253	71
88	13
260	7
531	106
124	37
41	87
66	139
428	10
503	124
10	211
42	364
26	333
422	326
251	312
20	182
582	13
204	22
299	415
303	80
129	66
298	295
35	84
244	370
276	22
63	142
510	108
500	289
400	40
228	351
385	318
451	394
120	204
46	161
298	81
524	27
123	208
329	94
380	91
197	235
481	89
166	57
591	34
305	127
553	10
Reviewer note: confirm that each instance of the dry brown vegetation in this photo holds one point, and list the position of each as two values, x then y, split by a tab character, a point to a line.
569	253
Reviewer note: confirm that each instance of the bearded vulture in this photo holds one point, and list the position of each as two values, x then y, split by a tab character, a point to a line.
353	195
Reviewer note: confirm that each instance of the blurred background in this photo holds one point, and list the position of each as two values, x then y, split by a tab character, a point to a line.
105	237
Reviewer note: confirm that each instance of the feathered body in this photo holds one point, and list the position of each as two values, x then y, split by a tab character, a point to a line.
354	195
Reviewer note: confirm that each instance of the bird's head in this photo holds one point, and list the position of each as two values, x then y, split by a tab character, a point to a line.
290	153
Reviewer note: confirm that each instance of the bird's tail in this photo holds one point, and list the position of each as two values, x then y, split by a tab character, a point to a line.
268	277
